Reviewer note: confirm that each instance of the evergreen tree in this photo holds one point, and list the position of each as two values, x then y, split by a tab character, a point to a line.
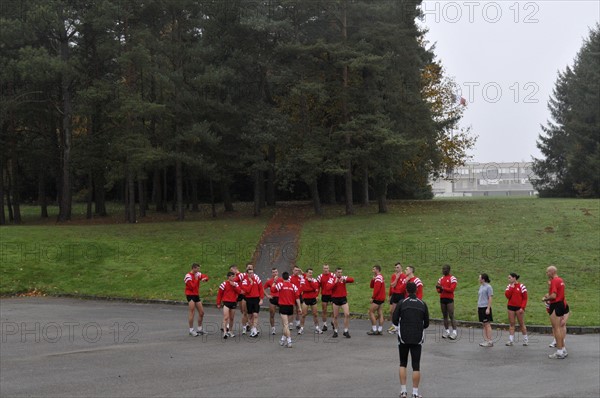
571	142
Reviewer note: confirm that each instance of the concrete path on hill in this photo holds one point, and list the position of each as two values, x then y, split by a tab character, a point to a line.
58	347
278	246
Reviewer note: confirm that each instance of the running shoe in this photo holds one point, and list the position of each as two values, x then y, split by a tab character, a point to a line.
556	355
335	334
453	335
509	343
301	330
445	334
346	335
193	333
324	328
552	345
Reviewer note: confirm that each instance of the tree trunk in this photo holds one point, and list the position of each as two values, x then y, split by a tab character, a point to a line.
99	194
314	194
14	191
227	203
66	195
330	189
365	188
130	194
194	182
382	197
271	177
257	195
212	200
2	214
348	181
42	201
262	192
179	183
89	197
165	190
142	196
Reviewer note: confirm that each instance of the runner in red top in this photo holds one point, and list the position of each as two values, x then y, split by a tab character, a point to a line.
410	277
445	287
557	310
397	292
516	293
377	300
288	296
192	294
297	279
239	278
339	300
254	293
228	294
309	299
273	297
326	284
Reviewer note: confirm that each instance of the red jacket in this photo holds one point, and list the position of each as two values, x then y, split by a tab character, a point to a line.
326	283
192	283
269	285
339	286
400	287
252	287
311	288
448	284
378	286
419	284
228	292
516	295
288	292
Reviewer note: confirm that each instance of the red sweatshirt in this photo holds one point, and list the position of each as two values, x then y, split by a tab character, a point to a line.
378	286
192	283
339	286
516	295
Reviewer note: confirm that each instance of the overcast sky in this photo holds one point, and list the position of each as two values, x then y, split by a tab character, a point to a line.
505	56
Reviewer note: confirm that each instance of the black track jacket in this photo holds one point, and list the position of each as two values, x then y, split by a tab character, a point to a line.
413	317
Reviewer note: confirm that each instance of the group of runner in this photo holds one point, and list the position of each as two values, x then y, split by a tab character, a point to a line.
295	295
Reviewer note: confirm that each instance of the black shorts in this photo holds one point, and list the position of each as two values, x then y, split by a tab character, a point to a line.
559	308
252	305
310	301
230	304
326	298
396	298
339	301
195	299
286	309
274	301
513	308
241	297
446	301
415	355
378	302
483	317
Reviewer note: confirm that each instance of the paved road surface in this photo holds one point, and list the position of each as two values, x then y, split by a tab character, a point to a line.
70	347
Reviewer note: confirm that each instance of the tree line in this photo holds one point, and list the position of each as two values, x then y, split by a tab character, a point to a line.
172	103
570	142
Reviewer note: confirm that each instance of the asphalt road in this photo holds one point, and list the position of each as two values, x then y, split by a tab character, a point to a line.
69	347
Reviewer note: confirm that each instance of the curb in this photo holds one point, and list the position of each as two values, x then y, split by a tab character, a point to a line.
541	329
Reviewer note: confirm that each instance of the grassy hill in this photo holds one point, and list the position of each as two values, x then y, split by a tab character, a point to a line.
149	259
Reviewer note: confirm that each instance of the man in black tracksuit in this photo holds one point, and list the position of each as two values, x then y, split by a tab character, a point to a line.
412	316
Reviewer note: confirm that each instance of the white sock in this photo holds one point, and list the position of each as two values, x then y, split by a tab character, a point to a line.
415	391
561	351
191	330
289	340
447	330
199	328
525	338
380	329
403	388
374	328
511	338
345	330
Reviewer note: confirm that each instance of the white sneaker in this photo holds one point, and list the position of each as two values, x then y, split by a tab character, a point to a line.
486	344
453	335
231	334
282	342
318	331
552	345
193	333
509	343
445	334
273	331
525	343
393	331
289	344
301	330
556	355
244	330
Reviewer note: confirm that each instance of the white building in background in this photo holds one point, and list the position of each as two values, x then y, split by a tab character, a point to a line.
487	179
